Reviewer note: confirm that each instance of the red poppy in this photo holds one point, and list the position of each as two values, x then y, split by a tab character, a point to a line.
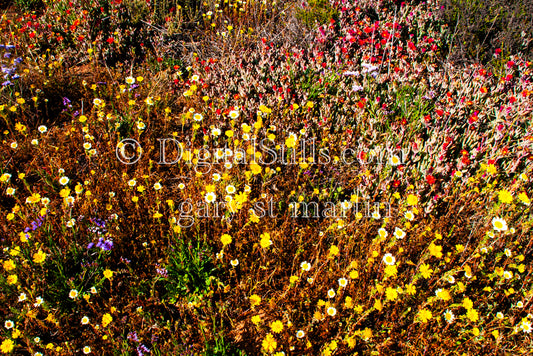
430	179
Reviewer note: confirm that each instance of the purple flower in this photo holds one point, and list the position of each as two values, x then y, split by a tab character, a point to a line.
108	245
90	245
133	336
141	348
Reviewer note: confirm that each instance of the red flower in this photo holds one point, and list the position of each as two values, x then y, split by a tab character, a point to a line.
110	40
430	179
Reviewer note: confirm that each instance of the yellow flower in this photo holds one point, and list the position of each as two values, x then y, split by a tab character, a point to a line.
391	293
472	314
443	294
269	343
467	303
410	289
256	319
425	270
265	240
348	303
435	250
39	257
12	279
106	319
277	326
424	315
391	271
108	273
265	109
255	299
255	168
504	196
412	199
9	265
7	346
16	333
377	305
524	198
333	251
225	239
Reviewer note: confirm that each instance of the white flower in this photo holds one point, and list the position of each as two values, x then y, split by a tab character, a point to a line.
73	294
409	215
331	311
42	129
234	262
38	302
198	117
525	326
35	142
399	233
389	259
9	324
230	189
448	316
343	282
216	132
331	293
85	320
382	233
499	224
234	114
210	197
86	350
300	334
305	266
22	297
130	80
395	160
157	186
64	180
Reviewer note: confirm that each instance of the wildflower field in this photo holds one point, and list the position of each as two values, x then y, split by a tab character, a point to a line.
247	177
